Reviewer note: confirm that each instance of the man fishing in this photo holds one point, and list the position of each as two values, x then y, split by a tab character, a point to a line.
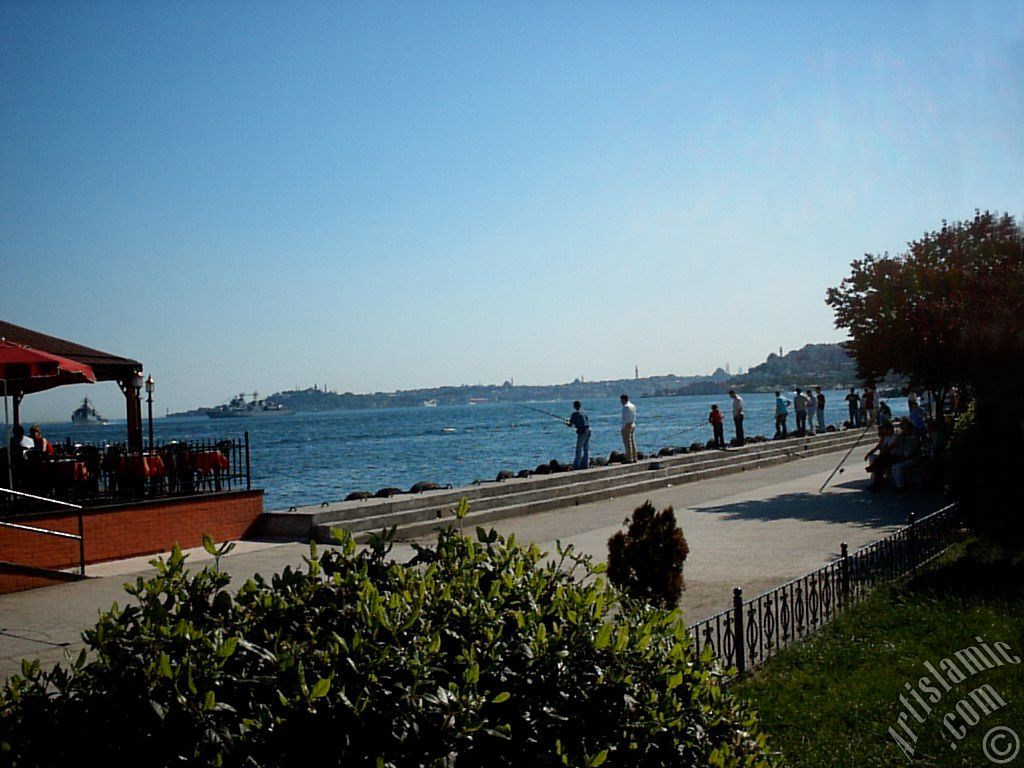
580	421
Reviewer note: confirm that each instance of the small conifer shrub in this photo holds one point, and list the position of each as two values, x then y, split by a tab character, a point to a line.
647	560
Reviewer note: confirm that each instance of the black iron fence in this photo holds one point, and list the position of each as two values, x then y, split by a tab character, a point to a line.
93	475
754	630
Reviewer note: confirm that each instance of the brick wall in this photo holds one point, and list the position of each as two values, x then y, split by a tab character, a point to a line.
127	530
14	579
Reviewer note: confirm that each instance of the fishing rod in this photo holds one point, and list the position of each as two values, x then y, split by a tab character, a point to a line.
546	413
695	426
840	464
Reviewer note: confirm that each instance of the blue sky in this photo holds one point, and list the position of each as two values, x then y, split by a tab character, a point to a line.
375	196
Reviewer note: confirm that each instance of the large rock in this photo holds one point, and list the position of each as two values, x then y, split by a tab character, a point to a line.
505	474
422	486
385	493
359	496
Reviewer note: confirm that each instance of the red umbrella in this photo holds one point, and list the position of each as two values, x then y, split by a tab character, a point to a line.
25	370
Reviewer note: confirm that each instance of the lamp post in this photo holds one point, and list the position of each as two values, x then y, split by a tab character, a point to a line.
150	386
135	412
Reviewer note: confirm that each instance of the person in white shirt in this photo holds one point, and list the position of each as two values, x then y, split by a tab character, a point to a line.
737	416
628	428
800	406
812	411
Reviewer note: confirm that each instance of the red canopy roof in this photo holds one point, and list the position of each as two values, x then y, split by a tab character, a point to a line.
24	369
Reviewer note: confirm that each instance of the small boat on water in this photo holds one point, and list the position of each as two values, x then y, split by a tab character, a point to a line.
430	403
238	408
86	415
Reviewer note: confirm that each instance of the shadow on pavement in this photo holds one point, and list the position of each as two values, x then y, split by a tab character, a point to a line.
865	508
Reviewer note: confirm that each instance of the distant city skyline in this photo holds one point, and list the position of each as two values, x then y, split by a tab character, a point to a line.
388	196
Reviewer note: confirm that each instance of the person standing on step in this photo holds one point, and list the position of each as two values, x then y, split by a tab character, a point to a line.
853	401
715	420
737	416
867	411
781	414
579	420
800	401
820	397
628	428
812	410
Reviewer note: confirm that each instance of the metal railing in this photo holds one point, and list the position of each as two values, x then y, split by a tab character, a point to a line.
92	475
79	537
754	630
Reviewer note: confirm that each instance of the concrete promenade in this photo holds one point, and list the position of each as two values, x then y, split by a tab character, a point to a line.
753	530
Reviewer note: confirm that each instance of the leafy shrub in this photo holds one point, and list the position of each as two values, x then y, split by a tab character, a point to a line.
473	654
983	463
647	560
960	461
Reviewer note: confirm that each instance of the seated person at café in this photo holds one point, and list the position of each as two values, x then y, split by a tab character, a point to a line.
20	442
39	442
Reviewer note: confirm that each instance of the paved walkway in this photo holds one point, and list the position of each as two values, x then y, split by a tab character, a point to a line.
753	530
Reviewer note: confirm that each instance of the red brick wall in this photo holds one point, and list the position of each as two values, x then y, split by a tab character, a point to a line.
14	580
128	530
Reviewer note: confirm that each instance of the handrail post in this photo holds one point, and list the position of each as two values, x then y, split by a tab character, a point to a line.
911	541
844	570
248	472
81	544
741	651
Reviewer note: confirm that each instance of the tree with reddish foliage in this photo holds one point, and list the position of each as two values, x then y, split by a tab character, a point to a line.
947	312
950	312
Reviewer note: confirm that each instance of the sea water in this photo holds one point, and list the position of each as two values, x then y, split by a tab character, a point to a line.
309	458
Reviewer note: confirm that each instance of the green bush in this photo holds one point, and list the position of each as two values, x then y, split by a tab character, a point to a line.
473	654
647	560
960	463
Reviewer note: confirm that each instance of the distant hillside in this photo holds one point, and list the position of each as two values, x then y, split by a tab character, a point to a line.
825	364
316	399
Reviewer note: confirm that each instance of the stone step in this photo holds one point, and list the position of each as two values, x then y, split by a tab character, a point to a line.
298	523
580	487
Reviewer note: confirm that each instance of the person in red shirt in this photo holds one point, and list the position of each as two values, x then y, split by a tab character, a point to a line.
715	419
868	417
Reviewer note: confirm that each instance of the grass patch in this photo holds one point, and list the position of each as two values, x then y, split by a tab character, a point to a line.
831	701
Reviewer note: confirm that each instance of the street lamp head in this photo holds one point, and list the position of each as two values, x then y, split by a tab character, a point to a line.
150	384
137	379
